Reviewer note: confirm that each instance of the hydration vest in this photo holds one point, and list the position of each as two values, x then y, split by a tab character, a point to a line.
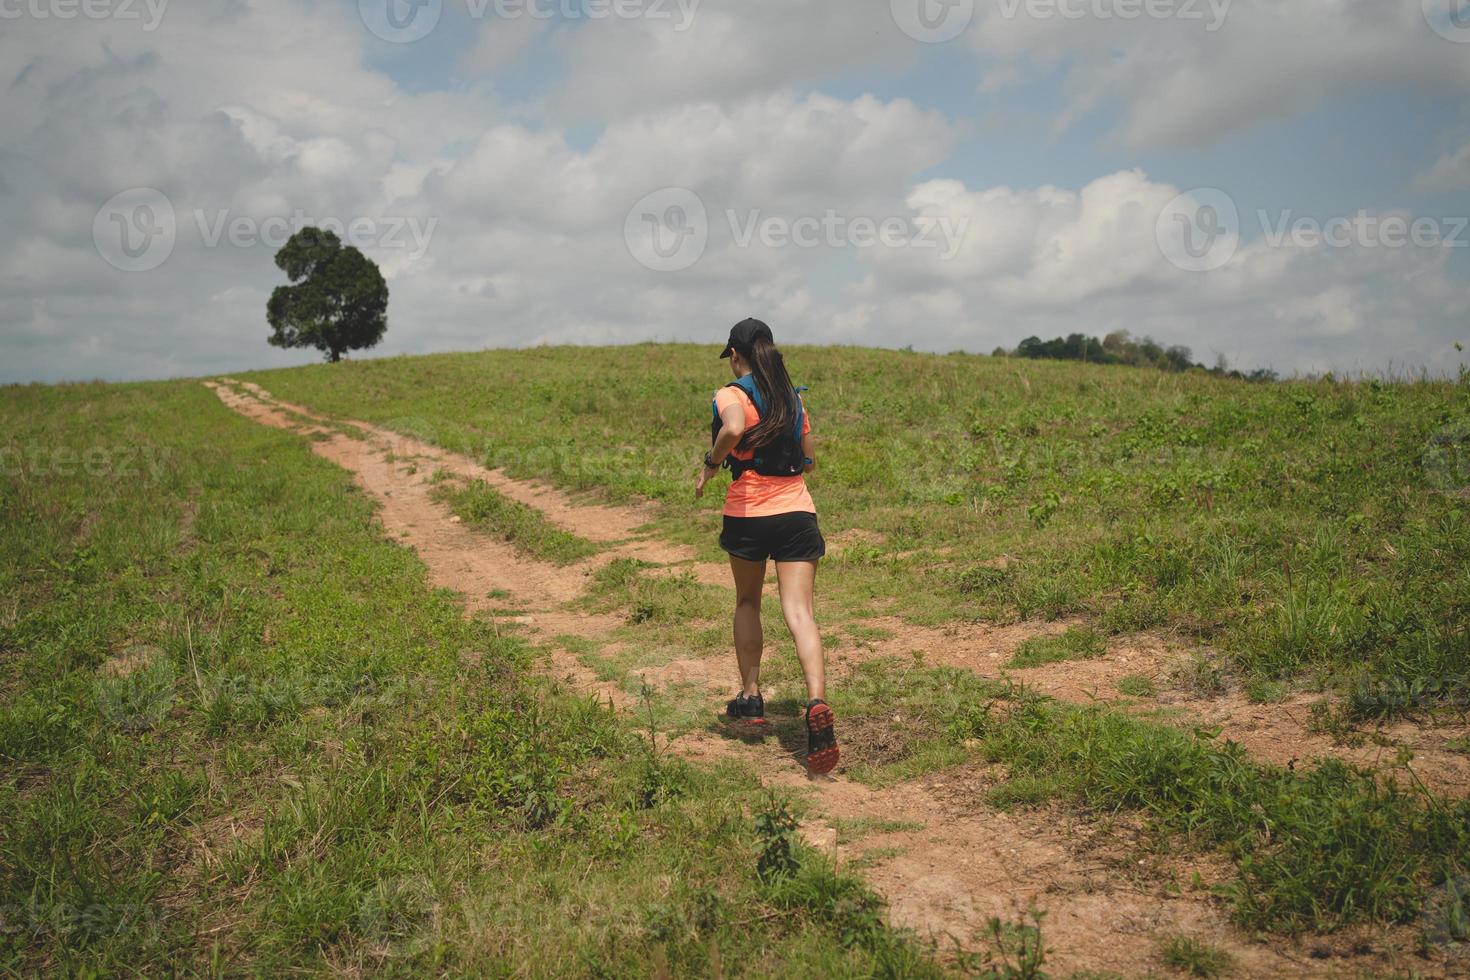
780	457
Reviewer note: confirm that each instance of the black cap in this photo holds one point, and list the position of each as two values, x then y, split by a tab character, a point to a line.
744	335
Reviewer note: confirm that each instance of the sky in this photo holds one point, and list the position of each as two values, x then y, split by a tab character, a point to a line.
1281	183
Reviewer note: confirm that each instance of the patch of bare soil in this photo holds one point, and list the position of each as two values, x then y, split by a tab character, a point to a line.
968	862
1282	733
128	661
983	648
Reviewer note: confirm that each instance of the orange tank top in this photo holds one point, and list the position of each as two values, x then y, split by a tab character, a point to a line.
754	495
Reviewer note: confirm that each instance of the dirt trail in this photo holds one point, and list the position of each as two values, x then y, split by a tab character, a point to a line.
1277	733
601	523
948	865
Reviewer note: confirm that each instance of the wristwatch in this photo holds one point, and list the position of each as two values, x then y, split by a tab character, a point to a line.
710	464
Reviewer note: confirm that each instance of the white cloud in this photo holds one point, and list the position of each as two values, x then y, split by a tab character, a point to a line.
730	51
1051	262
528	245
501	43
1451	172
1177	83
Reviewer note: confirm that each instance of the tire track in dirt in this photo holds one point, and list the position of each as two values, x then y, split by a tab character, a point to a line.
954	863
1280	733
608	524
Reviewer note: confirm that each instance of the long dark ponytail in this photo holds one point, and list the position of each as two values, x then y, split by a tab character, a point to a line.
779	394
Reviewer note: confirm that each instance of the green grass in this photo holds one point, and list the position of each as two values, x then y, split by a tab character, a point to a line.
486	509
1195	957
1300	527
1077	643
1137	686
239	733
1315	848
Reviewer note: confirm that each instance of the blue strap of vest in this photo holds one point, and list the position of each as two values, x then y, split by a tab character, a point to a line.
738	467
747	384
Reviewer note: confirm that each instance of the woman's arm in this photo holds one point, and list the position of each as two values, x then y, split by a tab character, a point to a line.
808	451
732	427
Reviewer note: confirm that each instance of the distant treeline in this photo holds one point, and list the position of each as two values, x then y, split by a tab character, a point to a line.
1119	347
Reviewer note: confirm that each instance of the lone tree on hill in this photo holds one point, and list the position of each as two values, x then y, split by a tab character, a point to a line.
339	301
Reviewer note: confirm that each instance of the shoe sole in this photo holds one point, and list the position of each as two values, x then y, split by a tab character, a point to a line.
821	740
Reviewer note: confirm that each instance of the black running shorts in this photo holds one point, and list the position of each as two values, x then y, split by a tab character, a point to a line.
783	537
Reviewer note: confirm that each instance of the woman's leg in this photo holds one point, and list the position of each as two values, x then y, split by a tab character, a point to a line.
749	577
797	580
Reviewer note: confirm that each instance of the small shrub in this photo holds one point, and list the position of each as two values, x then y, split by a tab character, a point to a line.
1077	643
1201	677
776	829
1195	956
1137	686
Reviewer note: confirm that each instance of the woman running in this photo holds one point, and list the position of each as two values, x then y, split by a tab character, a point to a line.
761	434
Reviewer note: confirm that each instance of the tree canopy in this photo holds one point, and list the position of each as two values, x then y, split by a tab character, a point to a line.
339	300
1120	347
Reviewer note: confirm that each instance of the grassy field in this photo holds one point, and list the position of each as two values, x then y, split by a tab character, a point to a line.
242	734
1314	530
